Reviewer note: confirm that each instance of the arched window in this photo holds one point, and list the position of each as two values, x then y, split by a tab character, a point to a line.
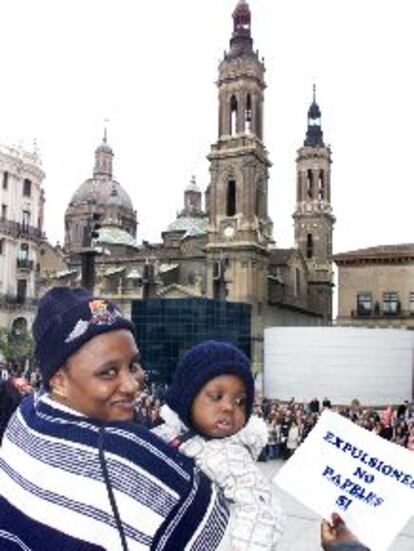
321	185
233	115
310	183
259	128
24	252
299	186
309	246
19	326
248	114
231	198
27	187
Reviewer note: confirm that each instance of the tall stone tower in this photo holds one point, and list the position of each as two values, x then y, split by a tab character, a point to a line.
240	229
313	216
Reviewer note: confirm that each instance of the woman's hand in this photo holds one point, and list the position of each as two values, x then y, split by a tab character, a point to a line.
335	532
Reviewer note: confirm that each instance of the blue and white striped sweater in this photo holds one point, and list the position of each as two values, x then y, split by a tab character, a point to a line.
53	494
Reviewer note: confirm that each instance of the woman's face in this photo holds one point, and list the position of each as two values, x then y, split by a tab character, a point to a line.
102	379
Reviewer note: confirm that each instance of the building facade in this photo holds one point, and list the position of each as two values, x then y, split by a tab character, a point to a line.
376	286
21	233
222	249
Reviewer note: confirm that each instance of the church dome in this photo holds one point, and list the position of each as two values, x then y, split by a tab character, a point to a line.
191	226
102	192
112	235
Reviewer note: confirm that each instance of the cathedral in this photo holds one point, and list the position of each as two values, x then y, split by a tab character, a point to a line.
220	246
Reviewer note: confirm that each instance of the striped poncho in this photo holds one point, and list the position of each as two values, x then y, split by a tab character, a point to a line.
55	468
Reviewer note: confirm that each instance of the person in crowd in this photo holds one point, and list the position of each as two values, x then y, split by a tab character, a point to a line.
273	443
326	403
9	400
402	410
284	433
208	417
75	472
410	439
314	405
4	373
293	437
400	435
387	416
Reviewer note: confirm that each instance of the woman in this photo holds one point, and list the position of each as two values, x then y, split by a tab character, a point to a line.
75	472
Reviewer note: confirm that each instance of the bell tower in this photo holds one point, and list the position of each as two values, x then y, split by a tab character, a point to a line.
313	217
240	229
237	195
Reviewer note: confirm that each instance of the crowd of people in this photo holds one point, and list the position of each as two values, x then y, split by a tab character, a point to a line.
289	423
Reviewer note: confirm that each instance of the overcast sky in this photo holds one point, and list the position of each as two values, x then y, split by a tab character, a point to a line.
149	66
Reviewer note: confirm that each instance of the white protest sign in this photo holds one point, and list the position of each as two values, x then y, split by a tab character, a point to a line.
344	468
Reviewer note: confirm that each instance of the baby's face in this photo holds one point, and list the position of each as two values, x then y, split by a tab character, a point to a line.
219	409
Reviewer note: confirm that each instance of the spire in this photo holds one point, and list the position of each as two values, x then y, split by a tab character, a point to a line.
241	41
314	134
103	159
192	199
192	186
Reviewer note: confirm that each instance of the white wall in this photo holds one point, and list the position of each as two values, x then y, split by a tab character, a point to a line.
374	365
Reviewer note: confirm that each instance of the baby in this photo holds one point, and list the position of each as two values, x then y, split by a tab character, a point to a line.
207	416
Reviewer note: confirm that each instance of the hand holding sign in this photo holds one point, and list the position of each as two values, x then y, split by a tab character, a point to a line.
335	532
346	469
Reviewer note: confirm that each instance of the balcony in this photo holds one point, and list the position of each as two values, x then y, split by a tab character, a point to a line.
17	229
363	313
15	302
378	314
25	264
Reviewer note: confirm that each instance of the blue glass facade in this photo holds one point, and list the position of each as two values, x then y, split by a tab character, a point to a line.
166	328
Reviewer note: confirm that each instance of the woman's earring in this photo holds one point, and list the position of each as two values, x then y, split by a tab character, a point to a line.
59	392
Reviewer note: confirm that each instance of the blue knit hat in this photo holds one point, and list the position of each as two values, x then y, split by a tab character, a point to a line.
68	318
199	365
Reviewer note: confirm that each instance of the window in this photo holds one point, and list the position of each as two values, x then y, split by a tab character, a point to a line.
231	198
364	304
217	269
26	218
23	253
27	187
310	183
309	246
258	209
21	291
390	304
5	180
248	114
4	212
298	283
233	115
19	327
321	185
411	303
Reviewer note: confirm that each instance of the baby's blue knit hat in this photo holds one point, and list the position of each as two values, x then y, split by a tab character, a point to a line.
199	365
